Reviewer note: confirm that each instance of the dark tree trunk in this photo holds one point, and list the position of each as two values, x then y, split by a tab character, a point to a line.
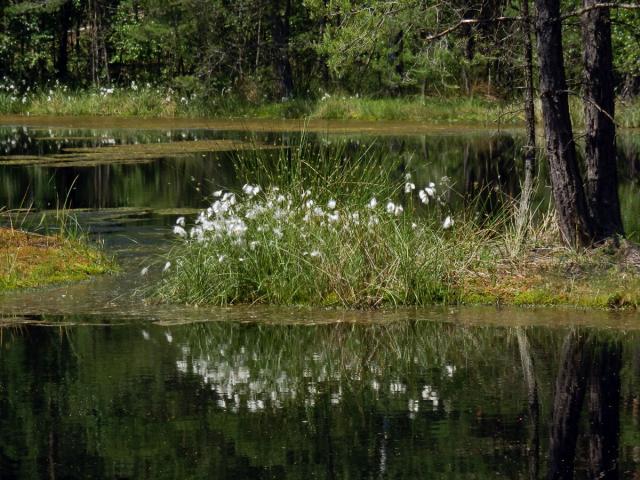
566	181
568	398
62	60
600	131
280	24
603	401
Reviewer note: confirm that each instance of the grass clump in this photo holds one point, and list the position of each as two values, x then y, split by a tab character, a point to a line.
30	260
326	231
435	110
317	227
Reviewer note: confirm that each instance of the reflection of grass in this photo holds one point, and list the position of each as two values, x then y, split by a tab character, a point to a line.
32	260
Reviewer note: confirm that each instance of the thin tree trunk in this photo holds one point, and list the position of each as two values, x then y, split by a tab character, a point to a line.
529	149
530	146
566	181
568	398
600	131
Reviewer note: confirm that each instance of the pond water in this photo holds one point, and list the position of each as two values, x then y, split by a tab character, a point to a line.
422	396
94	383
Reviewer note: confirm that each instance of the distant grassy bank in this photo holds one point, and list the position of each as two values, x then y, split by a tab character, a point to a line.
151	102
30	260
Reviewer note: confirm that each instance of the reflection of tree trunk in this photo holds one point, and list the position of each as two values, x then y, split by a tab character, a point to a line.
532	402
568	398
604	410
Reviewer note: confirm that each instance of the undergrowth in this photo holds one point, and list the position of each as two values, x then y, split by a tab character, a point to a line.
165	102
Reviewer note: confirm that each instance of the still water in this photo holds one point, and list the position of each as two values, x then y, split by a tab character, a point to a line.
413	398
96	384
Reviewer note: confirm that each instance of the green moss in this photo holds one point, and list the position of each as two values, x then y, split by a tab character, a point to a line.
29	261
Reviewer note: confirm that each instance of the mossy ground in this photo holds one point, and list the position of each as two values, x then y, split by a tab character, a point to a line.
30	260
598	278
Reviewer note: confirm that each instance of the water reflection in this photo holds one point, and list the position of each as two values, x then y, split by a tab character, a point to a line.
239	400
476	163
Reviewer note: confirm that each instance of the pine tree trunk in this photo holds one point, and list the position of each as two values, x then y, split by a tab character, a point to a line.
566	182
600	131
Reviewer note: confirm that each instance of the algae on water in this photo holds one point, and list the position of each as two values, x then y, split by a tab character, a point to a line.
129	153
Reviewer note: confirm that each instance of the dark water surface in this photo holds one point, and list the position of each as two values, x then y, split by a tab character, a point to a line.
95	384
412	398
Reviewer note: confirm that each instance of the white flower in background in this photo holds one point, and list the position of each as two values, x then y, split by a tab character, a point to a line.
448	223
398	210
331	204
277	232
217	193
424	197
144	271
168	336
180	221
409	187
167	266
333	217
391	207
373	203
178	230
251	190
315	253
221	258
145	335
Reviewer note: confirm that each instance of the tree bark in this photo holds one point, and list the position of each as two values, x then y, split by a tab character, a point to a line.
566	181
600	131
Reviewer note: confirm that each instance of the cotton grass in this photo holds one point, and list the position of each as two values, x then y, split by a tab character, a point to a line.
311	237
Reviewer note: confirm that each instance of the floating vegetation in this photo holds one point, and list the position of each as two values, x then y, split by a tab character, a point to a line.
129	154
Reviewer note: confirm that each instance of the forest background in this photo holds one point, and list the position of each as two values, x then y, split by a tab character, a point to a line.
207	57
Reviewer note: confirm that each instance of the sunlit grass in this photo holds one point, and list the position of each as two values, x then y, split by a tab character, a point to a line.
313	226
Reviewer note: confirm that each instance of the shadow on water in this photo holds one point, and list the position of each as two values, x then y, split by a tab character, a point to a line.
399	399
